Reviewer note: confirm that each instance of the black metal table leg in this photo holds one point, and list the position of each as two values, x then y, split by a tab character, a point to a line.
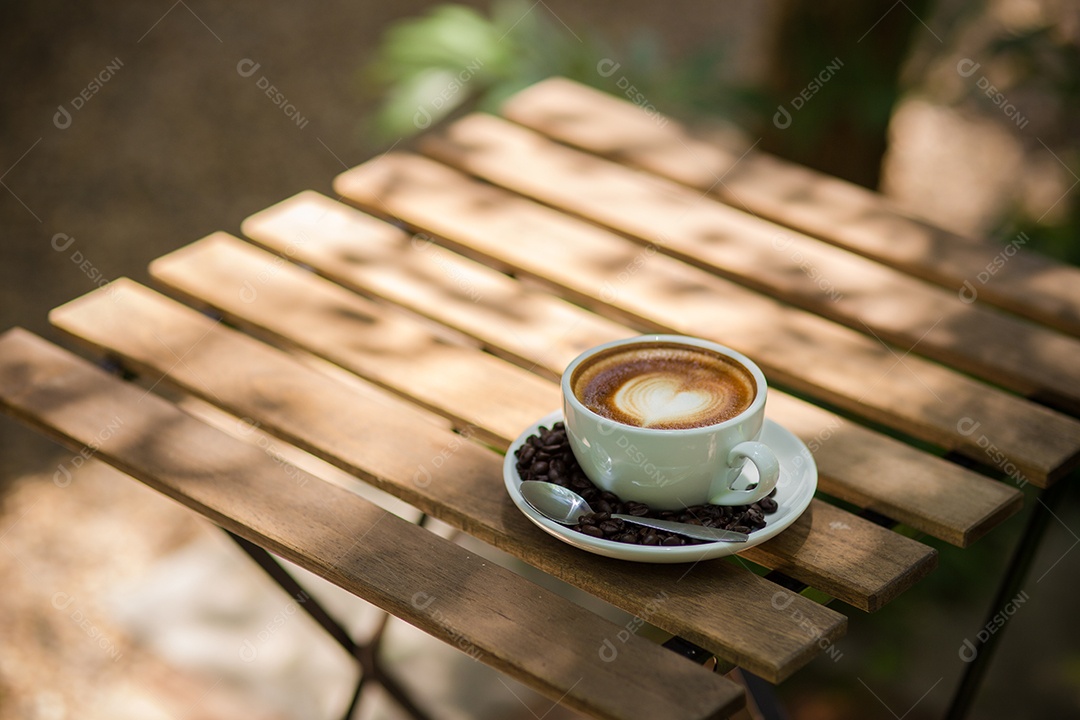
1021	561
367	655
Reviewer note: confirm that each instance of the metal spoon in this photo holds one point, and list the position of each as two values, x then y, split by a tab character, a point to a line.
566	507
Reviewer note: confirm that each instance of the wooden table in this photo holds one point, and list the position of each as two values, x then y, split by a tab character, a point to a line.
410	341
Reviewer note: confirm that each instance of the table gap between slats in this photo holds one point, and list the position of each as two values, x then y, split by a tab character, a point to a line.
544	333
206	278
870	297
812	354
513	625
1007	275
382	442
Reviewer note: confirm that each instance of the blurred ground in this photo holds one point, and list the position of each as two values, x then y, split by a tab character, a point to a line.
117	602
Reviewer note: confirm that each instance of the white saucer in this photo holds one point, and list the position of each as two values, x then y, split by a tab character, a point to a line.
794	491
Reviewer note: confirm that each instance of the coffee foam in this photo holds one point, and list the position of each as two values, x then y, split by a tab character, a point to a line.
664	386
661	398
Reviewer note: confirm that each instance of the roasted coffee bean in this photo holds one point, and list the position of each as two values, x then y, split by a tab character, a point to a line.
547	456
610	527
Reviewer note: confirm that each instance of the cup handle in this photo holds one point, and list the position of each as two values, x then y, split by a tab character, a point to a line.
768	468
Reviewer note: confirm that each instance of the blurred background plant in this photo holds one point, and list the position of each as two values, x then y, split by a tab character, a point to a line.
454	58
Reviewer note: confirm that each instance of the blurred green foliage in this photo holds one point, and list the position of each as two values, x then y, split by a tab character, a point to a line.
455	58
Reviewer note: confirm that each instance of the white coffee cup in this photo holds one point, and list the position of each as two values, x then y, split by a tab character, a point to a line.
671	469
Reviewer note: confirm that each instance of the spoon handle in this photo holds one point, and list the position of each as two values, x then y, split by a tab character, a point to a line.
698	532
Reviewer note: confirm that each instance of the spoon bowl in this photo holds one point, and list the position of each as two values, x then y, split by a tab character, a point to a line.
555	502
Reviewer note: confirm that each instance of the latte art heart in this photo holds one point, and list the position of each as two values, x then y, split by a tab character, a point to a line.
665	386
657	399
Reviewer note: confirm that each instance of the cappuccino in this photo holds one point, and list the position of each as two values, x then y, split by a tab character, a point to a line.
664	386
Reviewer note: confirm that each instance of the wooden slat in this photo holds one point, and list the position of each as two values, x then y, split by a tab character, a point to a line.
213	271
797	349
513	625
544	333
440	472
474	390
830	281
488	396
413	271
837	211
